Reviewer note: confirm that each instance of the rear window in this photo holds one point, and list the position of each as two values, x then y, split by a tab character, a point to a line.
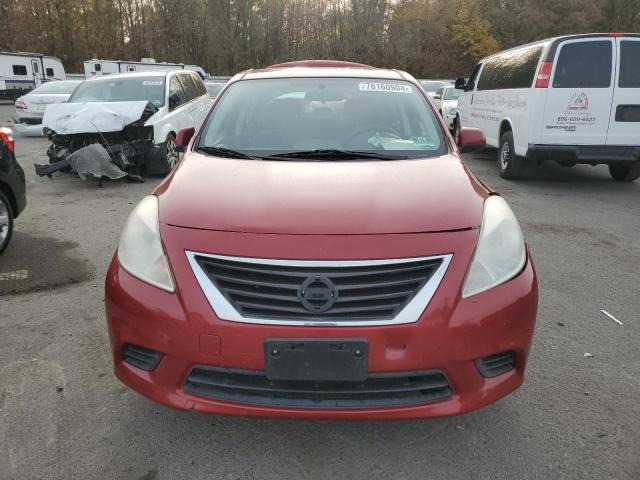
131	89
510	70
584	65
275	116
629	64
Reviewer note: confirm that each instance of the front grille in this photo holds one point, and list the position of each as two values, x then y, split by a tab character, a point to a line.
323	292
379	390
496	364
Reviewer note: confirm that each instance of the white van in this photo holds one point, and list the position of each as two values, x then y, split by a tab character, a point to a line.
572	99
21	72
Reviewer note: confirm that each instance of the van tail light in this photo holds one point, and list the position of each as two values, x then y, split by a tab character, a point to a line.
544	75
20	105
6	137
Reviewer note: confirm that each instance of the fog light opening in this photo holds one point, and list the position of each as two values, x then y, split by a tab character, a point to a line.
496	364
141	357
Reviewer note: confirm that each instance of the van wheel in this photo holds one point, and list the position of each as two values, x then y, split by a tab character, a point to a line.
510	165
456	130
171	152
6	222
625	173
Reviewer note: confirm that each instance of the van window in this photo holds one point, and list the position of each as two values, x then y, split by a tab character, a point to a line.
510	70
97	67
629	64
584	65
189	86
471	84
49	72
19	69
176	93
202	90
131	68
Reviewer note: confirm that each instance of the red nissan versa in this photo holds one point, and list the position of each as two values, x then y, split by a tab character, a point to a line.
322	251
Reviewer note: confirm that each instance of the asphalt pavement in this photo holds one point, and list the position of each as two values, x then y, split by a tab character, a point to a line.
63	414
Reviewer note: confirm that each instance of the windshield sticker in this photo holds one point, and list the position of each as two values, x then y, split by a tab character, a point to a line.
152	83
384	87
422	141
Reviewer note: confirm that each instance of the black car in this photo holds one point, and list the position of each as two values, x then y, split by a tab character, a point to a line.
13	197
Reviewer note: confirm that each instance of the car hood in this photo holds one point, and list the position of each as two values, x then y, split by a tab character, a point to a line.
306	197
93	117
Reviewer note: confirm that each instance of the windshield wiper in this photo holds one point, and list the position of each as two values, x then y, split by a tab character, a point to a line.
226	152
329	154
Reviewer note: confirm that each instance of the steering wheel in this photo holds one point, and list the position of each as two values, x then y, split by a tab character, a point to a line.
388	131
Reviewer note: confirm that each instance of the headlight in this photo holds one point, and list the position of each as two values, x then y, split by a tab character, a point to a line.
500	254
140	251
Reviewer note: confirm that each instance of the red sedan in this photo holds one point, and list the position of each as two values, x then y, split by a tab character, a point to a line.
322	251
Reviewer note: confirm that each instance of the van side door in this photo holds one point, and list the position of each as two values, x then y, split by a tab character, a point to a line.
579	96
624	124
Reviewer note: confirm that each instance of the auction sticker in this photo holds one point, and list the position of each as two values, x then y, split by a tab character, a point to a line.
152	83
385	87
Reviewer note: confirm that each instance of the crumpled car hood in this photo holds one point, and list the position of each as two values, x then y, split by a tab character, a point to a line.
72	118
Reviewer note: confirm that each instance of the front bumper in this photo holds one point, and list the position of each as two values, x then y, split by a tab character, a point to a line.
451	333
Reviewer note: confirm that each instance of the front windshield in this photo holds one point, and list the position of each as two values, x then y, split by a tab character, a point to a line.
274	116
132	89
452	93
213	89
63	87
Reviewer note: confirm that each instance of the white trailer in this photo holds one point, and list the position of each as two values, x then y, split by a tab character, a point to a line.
21	72
97	67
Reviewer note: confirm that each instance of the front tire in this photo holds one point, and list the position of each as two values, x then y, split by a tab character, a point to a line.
510	165
625	173
6	222
172	155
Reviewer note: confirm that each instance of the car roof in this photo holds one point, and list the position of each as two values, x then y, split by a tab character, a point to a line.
150	73
322	68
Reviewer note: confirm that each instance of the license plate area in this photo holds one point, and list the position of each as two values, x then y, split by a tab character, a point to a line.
338	360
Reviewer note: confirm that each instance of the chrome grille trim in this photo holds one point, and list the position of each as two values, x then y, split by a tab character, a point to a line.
224	310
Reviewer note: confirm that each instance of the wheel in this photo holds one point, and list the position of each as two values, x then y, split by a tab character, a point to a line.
171	152
510	165
6	222
625	173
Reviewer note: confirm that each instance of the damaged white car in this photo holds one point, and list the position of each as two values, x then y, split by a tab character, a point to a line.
132	119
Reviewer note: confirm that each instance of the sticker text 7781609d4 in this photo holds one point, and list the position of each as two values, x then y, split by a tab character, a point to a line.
384	87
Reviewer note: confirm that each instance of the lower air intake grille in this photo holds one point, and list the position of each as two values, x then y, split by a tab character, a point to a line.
141	357
317	291
496	364
379	390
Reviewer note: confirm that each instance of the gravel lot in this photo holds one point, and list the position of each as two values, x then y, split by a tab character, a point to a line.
64	415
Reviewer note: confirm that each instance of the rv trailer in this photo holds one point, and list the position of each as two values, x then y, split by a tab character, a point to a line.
97	67
21	72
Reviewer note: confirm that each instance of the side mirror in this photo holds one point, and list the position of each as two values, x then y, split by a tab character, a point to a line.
460	83
470	139
437	96
174	101
184	137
